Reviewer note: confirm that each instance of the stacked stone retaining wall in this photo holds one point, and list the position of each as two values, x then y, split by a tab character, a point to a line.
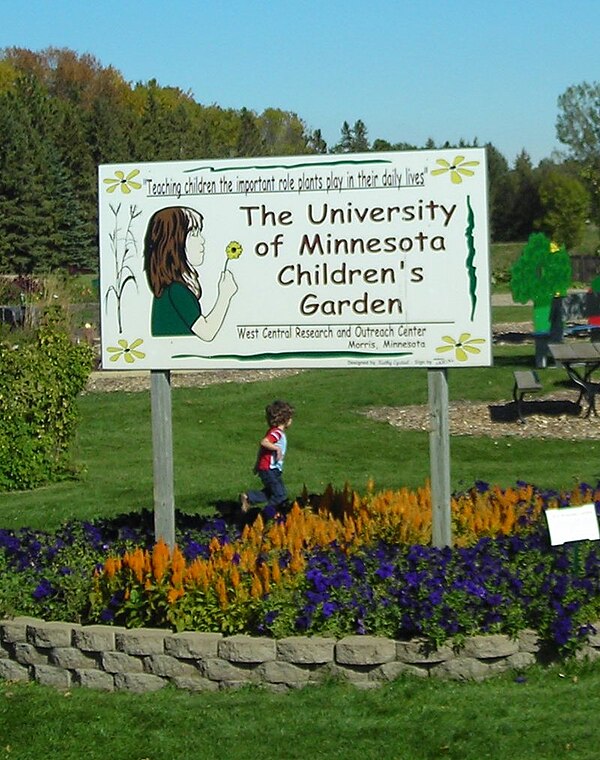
139	660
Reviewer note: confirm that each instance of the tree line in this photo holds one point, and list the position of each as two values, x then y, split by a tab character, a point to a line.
62	114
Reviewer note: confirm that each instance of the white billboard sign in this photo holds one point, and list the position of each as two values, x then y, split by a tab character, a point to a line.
353	260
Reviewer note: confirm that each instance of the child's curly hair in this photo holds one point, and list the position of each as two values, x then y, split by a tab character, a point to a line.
279	412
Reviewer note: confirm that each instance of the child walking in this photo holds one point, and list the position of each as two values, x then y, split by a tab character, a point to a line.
269	461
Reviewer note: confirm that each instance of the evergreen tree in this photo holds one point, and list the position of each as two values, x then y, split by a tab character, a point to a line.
316	142
28	217
345	143
250	142
360	141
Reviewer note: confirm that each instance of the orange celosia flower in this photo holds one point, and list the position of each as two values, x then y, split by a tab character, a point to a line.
137	562
160	560
256	590
174	594
275	571
221	593
178	566
112	566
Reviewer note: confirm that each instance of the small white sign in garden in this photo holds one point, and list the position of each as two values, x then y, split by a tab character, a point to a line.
573	524
362	260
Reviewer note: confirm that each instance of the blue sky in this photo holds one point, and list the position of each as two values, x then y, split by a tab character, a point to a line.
410	69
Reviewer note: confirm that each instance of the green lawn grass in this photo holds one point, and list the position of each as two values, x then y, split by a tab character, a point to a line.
216	430
514	313
543	715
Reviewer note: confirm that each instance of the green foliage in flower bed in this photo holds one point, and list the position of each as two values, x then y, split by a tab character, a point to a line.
499	585
496	586
39	383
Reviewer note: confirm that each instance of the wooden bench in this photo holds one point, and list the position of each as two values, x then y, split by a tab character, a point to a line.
526	381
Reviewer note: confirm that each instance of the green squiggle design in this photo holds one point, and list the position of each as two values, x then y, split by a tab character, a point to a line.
287	166
471	269
291	355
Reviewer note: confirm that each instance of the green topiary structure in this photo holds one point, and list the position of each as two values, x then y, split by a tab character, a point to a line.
541	273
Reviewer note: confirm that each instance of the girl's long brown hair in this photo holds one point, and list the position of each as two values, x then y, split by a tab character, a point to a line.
165	259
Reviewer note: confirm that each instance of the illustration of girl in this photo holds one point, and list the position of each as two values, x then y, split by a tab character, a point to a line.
173	250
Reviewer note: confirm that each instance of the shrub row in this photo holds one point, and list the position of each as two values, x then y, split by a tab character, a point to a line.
39	383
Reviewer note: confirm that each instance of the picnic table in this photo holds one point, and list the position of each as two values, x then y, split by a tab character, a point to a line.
580	360
13	316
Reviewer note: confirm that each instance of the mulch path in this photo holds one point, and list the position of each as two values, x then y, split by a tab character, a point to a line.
555	416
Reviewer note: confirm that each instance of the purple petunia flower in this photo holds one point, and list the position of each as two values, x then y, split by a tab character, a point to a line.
43	589
385	570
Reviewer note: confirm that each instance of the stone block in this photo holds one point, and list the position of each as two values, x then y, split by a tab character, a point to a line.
191	645
232	685
12	671
96	638
119	662
461	669
48	675
138	683
242	648
390	671
279	688
93	679
331	671
15	629
365	650
141	641
587	654
594	637
521	660
528	640
283	672
49	635
489	645
356	673
71	658
168	667
195	683
216	669
417	652
304	650
27	654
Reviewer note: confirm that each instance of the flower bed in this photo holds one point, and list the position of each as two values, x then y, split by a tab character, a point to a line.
344	564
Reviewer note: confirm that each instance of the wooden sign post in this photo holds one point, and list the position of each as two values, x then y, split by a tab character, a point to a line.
162	452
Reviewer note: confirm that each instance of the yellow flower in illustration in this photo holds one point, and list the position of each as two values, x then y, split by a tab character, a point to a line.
458	168
126	351
233	250
126	183
464	346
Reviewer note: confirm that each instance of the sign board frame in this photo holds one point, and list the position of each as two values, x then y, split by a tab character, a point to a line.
354	260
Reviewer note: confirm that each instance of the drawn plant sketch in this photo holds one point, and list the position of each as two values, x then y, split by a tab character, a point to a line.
123	246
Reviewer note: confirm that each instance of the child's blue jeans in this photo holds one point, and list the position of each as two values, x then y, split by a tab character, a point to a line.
273	492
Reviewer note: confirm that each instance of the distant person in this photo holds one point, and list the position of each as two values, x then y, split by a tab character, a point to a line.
173	250
269	460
